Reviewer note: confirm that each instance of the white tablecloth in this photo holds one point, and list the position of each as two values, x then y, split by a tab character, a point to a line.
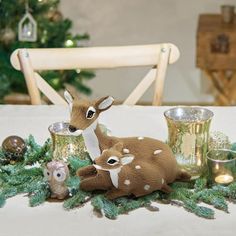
16	218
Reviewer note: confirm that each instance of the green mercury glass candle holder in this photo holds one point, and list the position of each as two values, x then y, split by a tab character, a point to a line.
66	144
221	165
188	133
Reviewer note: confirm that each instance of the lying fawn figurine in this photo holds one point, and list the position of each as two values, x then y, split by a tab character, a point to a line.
130	174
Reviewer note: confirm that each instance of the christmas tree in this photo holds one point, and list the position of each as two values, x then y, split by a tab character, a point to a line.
53	31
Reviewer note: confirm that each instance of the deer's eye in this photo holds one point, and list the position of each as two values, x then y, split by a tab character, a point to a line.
112	160
90	113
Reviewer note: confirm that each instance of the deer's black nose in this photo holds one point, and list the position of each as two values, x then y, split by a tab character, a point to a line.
72	128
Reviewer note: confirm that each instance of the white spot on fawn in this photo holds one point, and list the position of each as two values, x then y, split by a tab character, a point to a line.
146	187
140	138
138	167
157	152
126	150
162	181
127	182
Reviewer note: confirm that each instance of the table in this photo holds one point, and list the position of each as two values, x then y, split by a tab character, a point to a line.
51	219
216	47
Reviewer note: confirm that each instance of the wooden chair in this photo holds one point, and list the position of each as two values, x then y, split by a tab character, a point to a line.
158	56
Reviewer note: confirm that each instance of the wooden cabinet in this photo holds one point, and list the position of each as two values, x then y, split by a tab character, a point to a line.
216	55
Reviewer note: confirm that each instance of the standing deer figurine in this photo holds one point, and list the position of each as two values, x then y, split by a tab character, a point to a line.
84	115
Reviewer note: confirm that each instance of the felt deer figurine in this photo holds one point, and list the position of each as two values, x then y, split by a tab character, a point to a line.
84	115
130	174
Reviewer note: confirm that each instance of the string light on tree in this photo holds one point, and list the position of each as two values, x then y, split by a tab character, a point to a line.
27	28
69	43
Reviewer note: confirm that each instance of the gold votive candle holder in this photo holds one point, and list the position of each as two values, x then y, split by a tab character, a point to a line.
188	134
227	12
221	166
66	144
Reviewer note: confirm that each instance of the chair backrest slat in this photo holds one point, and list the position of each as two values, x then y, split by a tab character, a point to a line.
94	57
31	60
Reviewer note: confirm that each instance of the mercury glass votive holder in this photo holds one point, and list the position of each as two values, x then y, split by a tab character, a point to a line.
188	134
66	144
221	165
227	12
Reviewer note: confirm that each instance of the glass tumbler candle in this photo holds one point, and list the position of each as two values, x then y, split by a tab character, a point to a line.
221	165
66	144
188	133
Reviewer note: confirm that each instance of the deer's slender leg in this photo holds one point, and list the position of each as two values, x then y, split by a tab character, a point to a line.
87	171
166	188
115	193
100	181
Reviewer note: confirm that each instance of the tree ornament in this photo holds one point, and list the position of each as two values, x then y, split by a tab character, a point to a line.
57	172
27	27
54	15
218	140
7	36
14	148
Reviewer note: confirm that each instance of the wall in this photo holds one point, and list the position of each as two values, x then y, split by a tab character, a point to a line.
127	22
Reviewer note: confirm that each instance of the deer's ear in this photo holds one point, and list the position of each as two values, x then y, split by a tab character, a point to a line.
118	147
69	98
104	103
127	159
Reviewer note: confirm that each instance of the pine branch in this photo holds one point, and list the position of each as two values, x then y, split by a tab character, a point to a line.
211	197
2	200
36	153
200	184
100	203
190	202
75	163
201	211
39	196
76	200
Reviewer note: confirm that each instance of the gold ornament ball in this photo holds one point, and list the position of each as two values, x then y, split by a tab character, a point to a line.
54	15
218	140
14	148
7	36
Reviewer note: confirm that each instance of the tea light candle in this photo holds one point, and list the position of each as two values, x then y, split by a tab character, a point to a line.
221	166
224	179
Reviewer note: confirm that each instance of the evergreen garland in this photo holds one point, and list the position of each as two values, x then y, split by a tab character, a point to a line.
27	177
